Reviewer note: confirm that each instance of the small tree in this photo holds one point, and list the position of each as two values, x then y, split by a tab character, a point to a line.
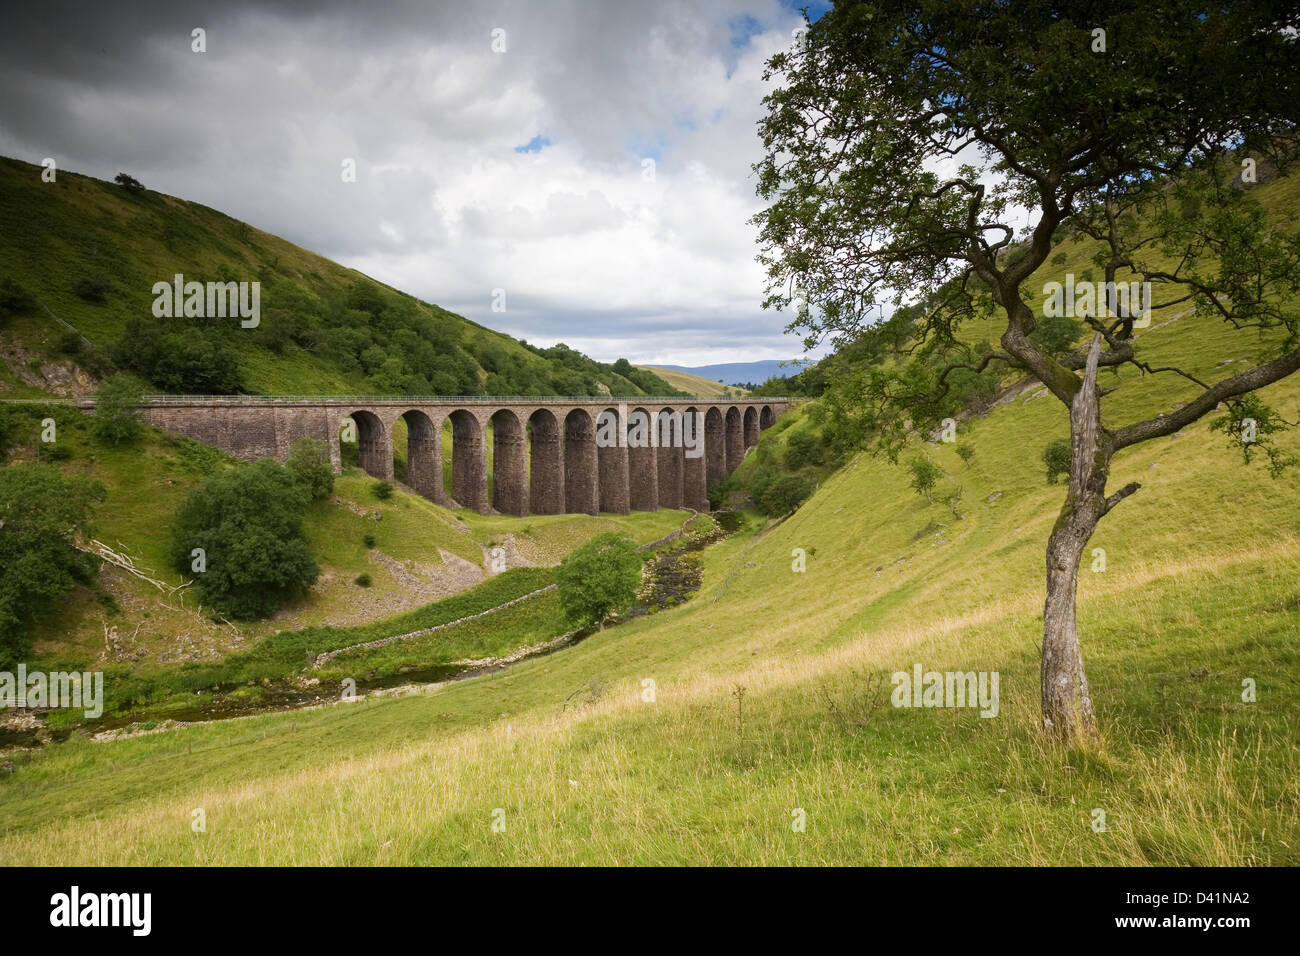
248	523
117	410
925	475
783	495
1056	456
599	578
42	512
966	453
129	182
309	463
905	143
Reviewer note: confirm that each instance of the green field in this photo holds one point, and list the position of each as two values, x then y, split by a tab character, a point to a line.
707	733
771	696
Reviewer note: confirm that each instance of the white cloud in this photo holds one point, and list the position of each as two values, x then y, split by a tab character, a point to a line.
444	207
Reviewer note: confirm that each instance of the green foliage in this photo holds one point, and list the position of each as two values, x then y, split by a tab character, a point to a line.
1138	150
309	462
1056	456
1055	334
965	452
1253	426
599	578
129	182
781	495
14	299
382	489
802	448
178	358
91	288
925	475
363	579
117	410
41	514
248	521
368	541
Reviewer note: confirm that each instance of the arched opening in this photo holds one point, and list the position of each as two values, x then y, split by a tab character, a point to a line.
581	485
611	454
751	426
735	439
670	458
642	462
418	459
509	464
469	485
374	448
715	446
695	487
546	464
766	417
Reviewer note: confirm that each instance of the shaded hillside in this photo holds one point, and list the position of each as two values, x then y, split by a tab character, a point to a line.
79	258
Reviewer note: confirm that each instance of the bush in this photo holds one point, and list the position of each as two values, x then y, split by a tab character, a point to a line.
599	578
68	342
43	511
783	495
925	475
187	360
363	580
14	299
1056	456
248	520
117	410
802	448
966	453
369	540
130	182
383	489
91	288
309	463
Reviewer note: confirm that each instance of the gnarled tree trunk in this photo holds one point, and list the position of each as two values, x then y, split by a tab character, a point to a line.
1067	704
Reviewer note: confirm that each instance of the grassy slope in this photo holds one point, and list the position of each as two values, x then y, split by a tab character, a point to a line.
765	700
145	484
1200	591
693	384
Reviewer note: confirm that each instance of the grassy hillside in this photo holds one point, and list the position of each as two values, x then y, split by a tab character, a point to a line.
693	384
84	255
421	552
770	696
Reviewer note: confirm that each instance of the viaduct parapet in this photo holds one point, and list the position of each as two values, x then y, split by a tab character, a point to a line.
545	454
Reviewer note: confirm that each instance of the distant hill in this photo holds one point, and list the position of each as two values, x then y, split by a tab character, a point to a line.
739	373
694	384
79	258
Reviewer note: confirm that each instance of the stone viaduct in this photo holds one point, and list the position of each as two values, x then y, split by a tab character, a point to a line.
549	455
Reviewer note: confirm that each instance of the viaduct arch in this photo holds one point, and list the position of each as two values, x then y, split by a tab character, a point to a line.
547	456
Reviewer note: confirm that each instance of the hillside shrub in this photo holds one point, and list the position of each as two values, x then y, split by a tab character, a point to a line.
600	578
309	463
1056	456
43	513
248	521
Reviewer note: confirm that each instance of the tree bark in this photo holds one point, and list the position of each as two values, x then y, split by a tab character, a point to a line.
1066	702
